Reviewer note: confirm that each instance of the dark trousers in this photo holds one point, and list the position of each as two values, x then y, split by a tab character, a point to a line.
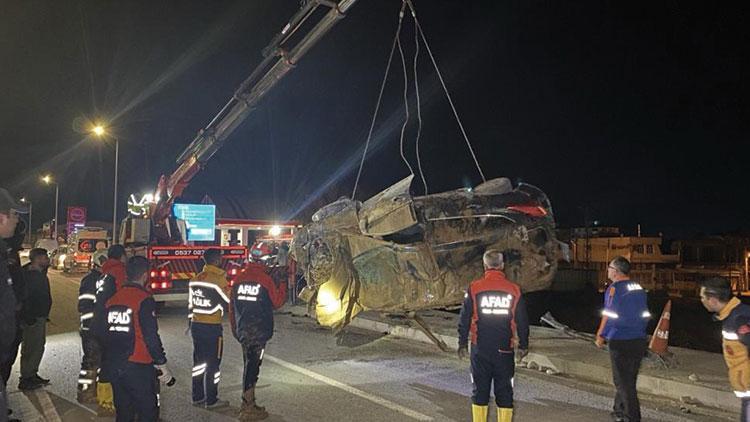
6	363
252	356
92	351
90	361
492	371
745	416
626	356
135	393
33	340
207	349
3	400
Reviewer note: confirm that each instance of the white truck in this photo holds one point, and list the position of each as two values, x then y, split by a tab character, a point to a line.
82	244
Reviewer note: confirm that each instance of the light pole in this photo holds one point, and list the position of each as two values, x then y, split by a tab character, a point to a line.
49	180
100	131
26	201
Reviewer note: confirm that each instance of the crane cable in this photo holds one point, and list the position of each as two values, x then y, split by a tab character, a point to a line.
406	103
419	108
380	98
397	43
445	88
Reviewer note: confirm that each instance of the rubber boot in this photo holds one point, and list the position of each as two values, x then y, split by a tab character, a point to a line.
86	387
250	411
105	399
504	414
479	413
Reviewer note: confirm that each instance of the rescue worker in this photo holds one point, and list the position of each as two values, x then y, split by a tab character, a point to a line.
133	352
14	245
716	296
208	302
114	276
89	343
115	265
253	298
623	327
494	317
9	210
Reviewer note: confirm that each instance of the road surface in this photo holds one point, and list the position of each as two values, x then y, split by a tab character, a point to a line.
310	375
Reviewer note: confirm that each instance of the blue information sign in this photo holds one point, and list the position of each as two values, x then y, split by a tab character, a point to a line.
200	220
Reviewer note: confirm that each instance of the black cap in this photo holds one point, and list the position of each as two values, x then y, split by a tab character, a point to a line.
7	203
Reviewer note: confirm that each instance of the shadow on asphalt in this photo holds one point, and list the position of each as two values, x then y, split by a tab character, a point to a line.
352	339
441	398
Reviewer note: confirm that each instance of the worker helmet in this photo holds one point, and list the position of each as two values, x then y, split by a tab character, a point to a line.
98	258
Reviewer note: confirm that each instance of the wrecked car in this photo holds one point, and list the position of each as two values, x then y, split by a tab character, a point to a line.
395	253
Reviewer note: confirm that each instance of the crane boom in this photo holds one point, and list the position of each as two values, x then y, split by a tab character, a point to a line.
278	61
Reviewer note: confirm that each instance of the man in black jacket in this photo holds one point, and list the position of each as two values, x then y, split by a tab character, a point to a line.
14	246
34	319
8	222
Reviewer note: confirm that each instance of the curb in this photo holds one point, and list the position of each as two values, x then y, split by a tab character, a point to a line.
662	387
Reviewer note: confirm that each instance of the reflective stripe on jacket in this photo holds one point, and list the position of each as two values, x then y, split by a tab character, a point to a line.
87	298
208	298
735	333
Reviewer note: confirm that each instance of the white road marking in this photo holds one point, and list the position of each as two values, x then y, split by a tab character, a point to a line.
351	390
48	408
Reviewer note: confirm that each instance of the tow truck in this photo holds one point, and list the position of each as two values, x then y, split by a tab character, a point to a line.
151	229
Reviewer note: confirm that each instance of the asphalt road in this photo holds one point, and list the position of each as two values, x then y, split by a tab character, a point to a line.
310	375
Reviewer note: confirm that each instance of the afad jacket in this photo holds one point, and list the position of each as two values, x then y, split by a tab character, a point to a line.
253	298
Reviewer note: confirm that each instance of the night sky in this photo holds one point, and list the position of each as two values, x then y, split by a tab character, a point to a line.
626	112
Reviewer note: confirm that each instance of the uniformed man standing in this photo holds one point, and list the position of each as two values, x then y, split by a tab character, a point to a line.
623	326
114	275
717	297
254	296
494	317
208	301
133	352
91	358
8	220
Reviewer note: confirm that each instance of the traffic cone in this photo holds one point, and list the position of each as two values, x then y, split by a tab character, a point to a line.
660	340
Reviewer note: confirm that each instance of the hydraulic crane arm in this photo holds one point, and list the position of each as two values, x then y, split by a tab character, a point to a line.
278	60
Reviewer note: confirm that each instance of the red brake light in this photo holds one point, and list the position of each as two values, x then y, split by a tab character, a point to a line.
233	272
153	274
164	285
164	273
154	286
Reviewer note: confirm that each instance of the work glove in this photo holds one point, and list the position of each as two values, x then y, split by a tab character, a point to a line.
164	375
463	351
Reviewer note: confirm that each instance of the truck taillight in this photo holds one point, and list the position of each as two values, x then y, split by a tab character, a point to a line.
233	271
160	279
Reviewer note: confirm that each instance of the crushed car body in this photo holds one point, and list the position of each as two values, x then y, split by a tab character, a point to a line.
396	253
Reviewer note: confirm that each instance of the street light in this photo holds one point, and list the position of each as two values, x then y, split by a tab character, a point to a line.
100	132
26	201
48	180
